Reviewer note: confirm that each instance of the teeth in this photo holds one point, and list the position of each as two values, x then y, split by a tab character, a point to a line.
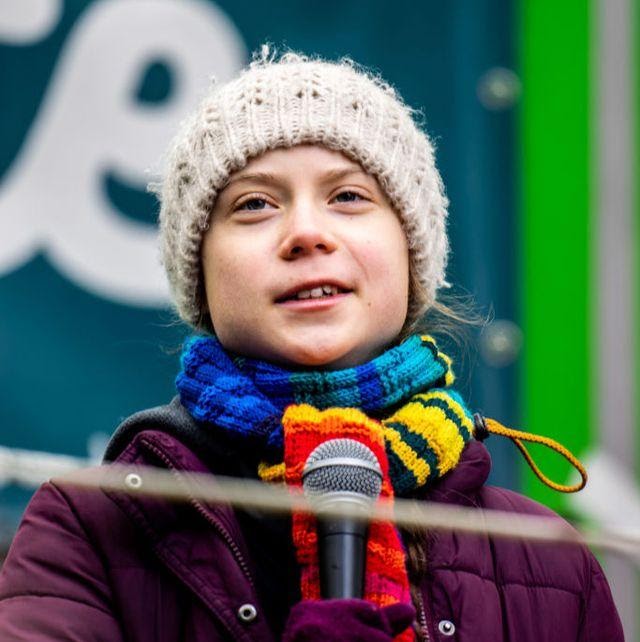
318	292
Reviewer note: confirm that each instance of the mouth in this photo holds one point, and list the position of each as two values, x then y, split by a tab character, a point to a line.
313	292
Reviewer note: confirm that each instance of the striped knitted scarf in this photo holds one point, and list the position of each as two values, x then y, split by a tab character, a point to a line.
284	414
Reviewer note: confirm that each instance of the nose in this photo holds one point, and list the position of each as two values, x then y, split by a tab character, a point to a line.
306	231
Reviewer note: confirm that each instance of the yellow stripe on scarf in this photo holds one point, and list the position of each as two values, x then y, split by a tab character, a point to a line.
455	407
431	424
272	473
419	467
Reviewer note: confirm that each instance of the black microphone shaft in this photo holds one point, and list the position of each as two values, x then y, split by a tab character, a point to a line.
342	545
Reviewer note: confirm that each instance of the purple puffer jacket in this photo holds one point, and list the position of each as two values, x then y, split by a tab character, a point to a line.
104	567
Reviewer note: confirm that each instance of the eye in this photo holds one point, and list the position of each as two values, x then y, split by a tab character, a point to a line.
348	196
254	204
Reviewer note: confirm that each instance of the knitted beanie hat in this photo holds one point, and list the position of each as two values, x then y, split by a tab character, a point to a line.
290	101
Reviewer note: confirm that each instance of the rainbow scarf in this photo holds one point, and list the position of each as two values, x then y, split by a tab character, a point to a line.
284	414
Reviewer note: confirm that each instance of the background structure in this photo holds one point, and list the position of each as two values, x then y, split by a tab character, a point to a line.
533	107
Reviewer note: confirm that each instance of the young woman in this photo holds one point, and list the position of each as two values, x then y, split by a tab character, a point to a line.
303	233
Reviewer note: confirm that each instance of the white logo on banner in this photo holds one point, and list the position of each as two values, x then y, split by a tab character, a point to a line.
52	198
23	22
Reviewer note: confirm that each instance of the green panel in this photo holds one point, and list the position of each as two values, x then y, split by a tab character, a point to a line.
555	296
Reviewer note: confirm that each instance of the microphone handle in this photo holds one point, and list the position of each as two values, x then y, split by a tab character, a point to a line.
342	545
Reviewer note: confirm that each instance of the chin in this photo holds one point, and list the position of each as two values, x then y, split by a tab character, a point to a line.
331	357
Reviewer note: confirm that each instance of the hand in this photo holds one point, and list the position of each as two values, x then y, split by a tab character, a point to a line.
346	620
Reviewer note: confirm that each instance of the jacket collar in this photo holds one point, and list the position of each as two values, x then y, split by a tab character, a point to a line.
460	485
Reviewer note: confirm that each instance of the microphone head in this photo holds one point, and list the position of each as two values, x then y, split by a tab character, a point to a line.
342	467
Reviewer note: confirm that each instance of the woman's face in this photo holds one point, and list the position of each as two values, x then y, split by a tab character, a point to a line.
305	262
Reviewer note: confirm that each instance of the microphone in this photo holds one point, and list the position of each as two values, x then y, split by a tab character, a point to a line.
342	472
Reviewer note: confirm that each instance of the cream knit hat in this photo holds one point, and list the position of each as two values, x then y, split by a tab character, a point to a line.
287	102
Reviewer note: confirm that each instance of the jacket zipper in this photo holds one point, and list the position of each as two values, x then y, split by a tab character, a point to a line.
205	514
422	619
226	536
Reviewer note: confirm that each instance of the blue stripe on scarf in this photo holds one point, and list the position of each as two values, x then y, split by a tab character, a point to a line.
402	477
326	389
247	396
369	384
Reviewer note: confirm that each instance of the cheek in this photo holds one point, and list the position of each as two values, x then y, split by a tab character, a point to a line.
224	277
388	273
231	303
386	259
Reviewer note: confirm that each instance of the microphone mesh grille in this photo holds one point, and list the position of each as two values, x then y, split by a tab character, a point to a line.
336	477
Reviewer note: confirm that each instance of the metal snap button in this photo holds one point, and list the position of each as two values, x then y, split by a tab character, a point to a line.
133	481
446	627
247	613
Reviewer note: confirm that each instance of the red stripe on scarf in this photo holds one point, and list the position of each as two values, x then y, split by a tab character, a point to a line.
305	428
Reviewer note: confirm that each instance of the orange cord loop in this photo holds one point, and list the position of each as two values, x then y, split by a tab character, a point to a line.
518	436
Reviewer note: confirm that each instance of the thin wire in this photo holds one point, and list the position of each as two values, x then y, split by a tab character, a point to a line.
30	469
250	494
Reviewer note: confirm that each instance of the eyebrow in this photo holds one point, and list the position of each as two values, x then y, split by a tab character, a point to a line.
267	177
